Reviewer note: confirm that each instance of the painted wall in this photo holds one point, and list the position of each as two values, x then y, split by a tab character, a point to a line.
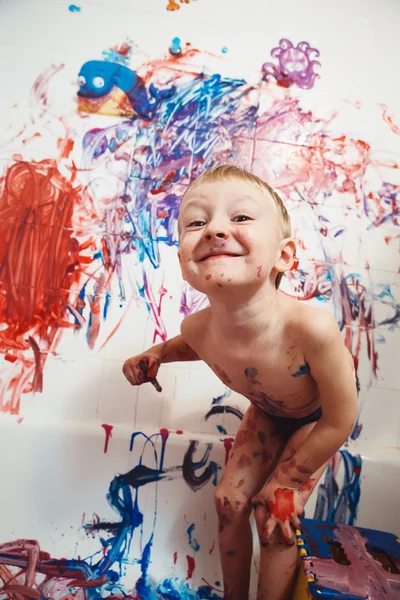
115	484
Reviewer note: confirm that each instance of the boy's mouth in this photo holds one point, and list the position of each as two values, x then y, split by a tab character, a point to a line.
218	254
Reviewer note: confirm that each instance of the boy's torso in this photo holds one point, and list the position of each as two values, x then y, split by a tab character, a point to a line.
273	374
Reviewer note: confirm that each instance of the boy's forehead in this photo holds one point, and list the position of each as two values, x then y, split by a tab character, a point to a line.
233	188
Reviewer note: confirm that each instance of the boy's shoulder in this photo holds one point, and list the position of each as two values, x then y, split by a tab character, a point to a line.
194	324
313	324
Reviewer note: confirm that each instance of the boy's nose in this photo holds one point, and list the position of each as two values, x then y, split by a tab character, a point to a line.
220	234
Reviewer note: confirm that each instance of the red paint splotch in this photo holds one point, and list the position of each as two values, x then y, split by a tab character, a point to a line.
175	557
283	507
259	270
164	434
179	432
191	565
108	431
40	262
228	443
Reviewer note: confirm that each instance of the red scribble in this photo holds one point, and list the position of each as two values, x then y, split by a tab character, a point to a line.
389	119
211	550
108	429
191	565
283	507
175	557
228	443
40	262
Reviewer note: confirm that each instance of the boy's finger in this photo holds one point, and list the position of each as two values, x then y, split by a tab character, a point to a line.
296	522
152	368
268	530
287	533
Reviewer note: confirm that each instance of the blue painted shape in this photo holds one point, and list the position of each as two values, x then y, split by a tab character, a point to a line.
74	8
222	430
97	78
303	370
175	48
340	505
193	543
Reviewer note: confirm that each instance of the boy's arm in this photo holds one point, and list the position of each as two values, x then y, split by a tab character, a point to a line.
331	369
143	368
174	350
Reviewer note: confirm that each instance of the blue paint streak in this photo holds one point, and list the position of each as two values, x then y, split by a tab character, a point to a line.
340	505
222	430
193	543
74	8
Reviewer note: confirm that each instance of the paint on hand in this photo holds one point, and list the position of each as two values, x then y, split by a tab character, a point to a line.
283	506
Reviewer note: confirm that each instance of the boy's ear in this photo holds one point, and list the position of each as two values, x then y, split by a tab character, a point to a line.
286	255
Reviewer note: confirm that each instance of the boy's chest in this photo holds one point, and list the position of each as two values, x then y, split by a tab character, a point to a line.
268	372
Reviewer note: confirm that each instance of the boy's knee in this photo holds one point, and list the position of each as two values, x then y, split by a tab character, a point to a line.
230	505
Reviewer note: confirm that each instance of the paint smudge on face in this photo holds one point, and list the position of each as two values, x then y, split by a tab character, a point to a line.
239	484
303	370
108	431
259	269
208	277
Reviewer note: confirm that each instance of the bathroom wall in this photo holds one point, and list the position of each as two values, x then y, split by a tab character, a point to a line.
304	95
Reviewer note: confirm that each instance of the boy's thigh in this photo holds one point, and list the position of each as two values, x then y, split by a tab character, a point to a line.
296	440
255	452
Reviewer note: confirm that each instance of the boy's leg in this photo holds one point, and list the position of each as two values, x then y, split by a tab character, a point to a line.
253	456
278	561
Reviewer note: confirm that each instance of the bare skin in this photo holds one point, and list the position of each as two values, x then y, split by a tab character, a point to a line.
285	357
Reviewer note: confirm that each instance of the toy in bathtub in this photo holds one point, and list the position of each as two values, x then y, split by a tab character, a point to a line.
347	563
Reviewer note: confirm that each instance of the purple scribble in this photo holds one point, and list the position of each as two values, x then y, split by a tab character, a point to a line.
295	67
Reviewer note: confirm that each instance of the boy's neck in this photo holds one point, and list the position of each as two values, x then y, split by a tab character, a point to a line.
247	319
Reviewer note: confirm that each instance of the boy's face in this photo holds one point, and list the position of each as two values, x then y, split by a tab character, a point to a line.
229	235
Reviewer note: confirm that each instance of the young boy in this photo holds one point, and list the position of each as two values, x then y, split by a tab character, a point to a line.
286	357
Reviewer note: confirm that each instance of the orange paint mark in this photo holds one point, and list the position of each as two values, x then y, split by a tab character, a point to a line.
283	507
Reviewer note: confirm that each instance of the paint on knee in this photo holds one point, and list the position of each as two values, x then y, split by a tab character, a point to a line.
243	437
244	461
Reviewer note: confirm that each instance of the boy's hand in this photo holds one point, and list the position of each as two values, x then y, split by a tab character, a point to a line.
142	368
278	506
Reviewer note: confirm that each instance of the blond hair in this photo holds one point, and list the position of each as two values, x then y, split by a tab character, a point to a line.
225	172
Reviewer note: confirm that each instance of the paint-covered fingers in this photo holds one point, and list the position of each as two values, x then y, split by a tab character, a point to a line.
287	532
141	369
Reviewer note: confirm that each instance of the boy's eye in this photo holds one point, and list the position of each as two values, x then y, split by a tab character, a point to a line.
241	218
196	224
